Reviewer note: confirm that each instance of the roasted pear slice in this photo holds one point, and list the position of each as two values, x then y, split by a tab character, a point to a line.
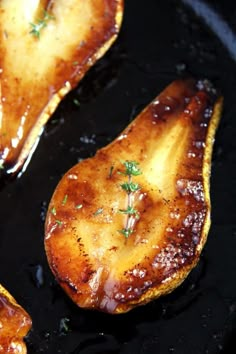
46	48
128	225
14	324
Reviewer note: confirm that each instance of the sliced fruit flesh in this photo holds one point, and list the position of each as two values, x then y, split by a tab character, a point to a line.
40	65
15	323
172	142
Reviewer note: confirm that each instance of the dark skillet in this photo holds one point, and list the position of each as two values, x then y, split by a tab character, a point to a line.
159	41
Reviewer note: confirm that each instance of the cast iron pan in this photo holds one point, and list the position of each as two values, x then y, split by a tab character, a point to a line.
160	41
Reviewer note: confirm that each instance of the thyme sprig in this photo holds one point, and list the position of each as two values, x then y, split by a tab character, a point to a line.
37	27
131	169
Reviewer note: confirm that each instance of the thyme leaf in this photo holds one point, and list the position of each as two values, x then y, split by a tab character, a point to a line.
129	211
76	102
54	211
99	211
130	187
64	200
79	206
59	222
131	168
126	232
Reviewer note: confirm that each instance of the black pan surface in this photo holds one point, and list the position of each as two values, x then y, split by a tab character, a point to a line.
159	41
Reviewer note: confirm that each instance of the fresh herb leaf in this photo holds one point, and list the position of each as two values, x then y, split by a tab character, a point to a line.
37	27
54	211
79	206
126	232
75	63
76	102
63	327
131	168
130	187
1	166
40	24
129	211
99	211
47	16
59	222
64	200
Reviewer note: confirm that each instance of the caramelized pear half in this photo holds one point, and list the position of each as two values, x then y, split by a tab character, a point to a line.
115	240
14	324
46	48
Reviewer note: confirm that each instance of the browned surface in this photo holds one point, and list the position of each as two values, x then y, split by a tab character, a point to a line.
14	325
36	73
172	141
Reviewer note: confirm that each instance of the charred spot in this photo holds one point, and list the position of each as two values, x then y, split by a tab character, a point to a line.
113	248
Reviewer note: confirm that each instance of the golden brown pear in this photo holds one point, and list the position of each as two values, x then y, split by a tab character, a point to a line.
128	225
14	325
46	47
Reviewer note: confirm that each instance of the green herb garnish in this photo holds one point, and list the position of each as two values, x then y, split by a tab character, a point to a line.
40	24
54	211
130	187
64	200
63	327
129	211
76	102
1	166
131	170
126	232
79	206
99	211
59	222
